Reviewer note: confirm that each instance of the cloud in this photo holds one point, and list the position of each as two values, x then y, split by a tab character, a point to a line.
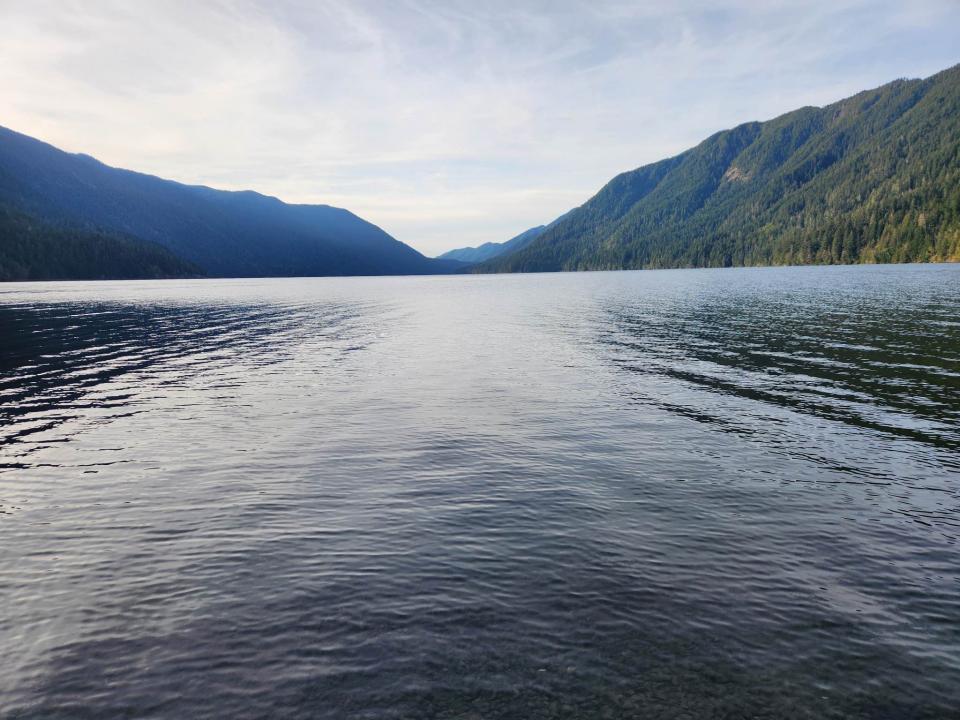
446	122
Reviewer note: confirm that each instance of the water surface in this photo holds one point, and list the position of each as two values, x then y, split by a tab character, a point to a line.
714	493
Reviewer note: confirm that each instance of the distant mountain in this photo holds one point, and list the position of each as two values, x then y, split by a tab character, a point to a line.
873	178
491	250
222	233
35	250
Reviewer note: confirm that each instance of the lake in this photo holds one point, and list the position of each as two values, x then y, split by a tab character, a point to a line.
665	494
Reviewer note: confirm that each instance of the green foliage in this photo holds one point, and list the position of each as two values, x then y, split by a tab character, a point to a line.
36	250
873	178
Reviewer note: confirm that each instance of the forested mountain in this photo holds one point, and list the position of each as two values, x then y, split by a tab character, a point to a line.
34	250
873	178
222	233
491	249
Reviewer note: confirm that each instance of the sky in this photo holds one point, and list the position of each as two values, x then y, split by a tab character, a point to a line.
447	123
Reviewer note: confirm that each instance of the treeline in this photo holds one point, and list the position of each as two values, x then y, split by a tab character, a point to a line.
31	249
874	178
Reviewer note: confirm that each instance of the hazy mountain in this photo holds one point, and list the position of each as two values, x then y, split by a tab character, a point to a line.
873	178
491	249
222	233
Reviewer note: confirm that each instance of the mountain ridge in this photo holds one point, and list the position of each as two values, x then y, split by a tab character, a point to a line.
874	177
224	233
490	250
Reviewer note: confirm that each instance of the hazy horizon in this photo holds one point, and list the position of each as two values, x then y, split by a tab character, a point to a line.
446	125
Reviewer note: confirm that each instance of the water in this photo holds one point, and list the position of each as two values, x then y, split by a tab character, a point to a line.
730	493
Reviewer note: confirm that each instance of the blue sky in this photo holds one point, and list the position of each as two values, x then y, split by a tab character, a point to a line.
447	123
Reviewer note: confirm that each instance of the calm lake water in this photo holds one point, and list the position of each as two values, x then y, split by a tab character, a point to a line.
676	494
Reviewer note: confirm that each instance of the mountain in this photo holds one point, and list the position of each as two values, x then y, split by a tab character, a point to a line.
873	178
491	250
230	234
31	249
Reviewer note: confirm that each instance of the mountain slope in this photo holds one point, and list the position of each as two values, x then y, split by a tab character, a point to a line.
873	178
223	233
34	250
491	250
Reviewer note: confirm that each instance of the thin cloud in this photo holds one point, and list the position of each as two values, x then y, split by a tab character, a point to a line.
447	123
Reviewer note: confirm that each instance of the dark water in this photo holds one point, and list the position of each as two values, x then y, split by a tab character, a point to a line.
690	494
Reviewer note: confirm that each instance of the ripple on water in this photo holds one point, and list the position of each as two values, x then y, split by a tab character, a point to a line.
665	494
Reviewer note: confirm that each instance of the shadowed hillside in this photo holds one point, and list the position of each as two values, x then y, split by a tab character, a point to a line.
35	250
222	233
